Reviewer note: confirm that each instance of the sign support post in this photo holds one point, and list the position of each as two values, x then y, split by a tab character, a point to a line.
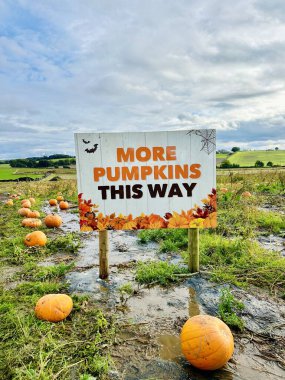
103	254
193	249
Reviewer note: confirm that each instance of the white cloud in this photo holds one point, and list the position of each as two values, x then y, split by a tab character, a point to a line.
77	66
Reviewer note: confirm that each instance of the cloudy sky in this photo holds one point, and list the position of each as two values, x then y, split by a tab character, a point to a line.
85	65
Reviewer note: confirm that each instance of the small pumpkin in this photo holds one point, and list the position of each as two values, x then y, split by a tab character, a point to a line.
23	211
63	205
26	204
53	307
53	221
224	190
33	214
246	194
59	198
206	342
9	202
36	238
52	202
31	222
32	200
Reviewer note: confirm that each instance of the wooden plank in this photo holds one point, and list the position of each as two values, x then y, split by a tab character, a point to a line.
103	254
193	249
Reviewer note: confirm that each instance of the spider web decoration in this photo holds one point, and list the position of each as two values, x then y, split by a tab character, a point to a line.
208	139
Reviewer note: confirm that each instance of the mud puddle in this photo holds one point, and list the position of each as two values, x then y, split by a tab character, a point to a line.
273	243
147	346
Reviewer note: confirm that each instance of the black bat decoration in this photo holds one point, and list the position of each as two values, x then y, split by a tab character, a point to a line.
92	150
85	142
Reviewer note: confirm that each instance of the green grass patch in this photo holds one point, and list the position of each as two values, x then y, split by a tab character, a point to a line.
40	350
228	309
249	158
158	272
34	272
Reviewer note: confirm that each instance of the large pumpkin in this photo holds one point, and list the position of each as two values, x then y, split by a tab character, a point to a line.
53	307
52	202
53	221
206	342
63	205
33	214
36	238
23	211
31	222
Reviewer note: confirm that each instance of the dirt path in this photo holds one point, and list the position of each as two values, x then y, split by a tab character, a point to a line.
149	323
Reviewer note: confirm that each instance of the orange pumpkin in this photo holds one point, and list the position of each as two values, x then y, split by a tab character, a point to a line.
26	204
31	222
9	202
52	202
224	190
36	238
53	307
63	205
33	214
32	200
53	221
207	342
246	194
59	198
23	211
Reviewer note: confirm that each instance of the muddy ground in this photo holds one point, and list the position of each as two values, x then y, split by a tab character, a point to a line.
147	346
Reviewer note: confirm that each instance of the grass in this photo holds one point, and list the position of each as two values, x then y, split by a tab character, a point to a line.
77	347
158	272
9	173
39	350
228	310
249	158
231	252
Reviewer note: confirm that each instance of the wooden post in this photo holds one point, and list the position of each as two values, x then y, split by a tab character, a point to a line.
193	249
103	254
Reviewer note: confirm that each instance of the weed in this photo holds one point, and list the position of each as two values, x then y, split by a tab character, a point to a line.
228	308
158	272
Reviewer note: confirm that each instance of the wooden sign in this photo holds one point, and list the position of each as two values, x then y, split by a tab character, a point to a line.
143	180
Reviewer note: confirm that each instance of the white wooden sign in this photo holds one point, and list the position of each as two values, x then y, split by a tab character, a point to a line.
142	180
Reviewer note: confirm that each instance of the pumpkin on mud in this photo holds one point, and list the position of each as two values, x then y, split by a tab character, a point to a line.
31	222
26	204
63	205
59	198
23	211
246	194
53	307
36	238
206	342
53	221
33	214
52	202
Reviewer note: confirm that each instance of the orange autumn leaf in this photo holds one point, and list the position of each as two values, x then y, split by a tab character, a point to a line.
131	225
211	221
177	221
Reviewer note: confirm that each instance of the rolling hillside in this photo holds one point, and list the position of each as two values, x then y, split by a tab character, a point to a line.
248	158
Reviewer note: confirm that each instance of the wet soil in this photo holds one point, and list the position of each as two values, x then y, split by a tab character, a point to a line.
149	322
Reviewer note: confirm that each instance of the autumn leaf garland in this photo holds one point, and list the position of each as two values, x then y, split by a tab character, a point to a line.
197	217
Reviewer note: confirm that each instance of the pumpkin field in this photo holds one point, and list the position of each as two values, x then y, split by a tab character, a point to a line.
59	320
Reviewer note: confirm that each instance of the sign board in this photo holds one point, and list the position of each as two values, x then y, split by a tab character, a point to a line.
143	180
